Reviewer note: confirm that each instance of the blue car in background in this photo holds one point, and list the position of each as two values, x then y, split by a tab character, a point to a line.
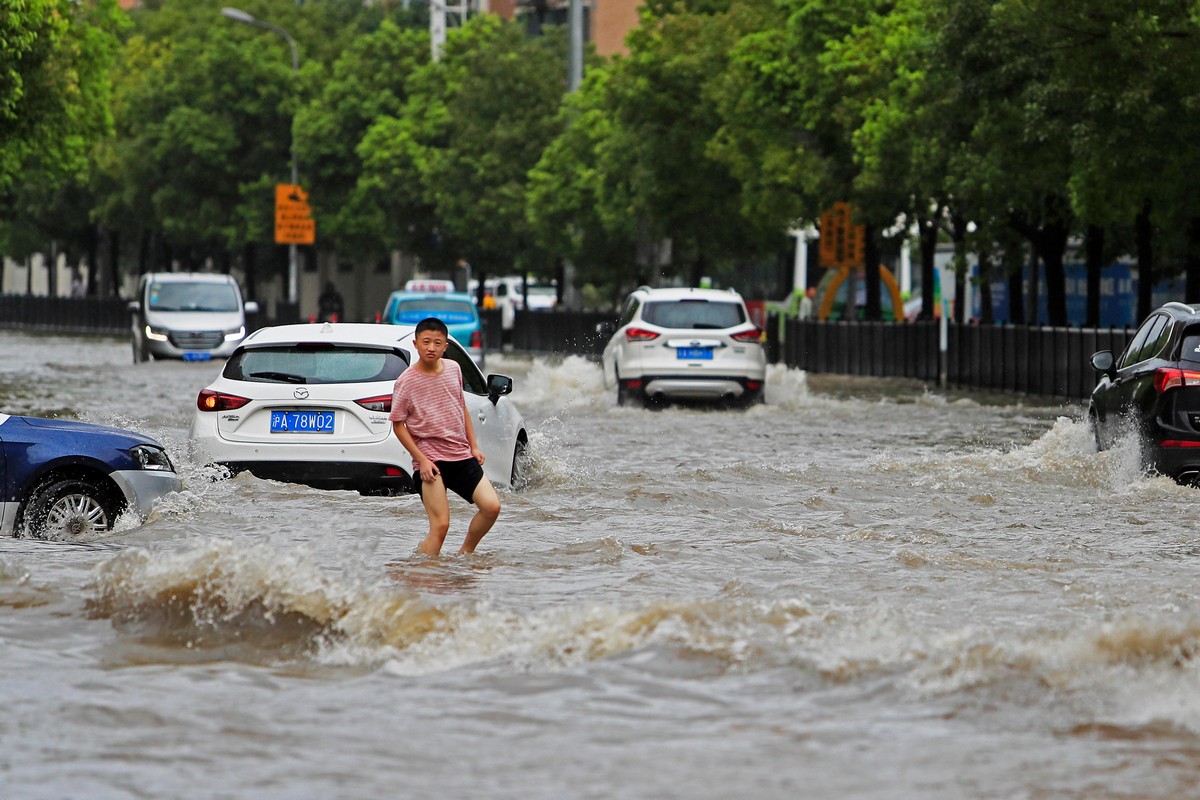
70	480
456	309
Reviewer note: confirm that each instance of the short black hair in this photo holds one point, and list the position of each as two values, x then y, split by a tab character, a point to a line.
431	324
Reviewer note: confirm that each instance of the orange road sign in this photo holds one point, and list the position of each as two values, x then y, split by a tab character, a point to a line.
841	244
293	216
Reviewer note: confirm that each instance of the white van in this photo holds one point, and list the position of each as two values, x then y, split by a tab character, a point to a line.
195	316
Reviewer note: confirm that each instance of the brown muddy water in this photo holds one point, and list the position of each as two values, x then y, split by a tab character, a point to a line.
861	589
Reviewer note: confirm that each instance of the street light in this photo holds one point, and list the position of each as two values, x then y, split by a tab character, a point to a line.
237	15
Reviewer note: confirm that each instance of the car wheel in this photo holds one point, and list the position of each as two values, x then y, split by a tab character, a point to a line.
70	509
1094	422
520	467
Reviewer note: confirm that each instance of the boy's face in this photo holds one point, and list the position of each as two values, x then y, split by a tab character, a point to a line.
431	345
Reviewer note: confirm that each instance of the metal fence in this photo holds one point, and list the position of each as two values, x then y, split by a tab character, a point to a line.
102	315
1054	362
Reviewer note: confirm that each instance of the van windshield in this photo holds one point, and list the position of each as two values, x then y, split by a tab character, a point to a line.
181	296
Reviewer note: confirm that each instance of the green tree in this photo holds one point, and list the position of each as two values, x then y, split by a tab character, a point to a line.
366	83
449	172
55	57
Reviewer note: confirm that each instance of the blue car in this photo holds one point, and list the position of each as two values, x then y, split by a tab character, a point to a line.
69	480
456	309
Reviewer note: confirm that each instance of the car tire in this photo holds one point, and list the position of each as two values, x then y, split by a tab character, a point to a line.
626	396
71	508
1094	422
520	467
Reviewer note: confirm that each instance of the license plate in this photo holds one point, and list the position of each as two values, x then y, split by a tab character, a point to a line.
197	356
302	421
694	353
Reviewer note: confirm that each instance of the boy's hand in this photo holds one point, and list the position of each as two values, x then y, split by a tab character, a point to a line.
427	469
475	451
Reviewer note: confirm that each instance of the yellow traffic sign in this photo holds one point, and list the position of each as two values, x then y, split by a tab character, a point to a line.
293	216
841	243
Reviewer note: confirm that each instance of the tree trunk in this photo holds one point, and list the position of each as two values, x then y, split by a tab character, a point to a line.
874	310
958	235
928	239
1144	231
1191	262
1095	265
987	315
1034	262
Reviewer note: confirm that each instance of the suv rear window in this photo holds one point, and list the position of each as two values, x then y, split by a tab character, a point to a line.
693	314
321	363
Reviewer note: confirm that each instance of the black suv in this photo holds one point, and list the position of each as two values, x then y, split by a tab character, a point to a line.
1154	389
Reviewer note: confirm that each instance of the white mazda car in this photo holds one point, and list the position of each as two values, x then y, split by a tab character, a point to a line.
685	344
309	404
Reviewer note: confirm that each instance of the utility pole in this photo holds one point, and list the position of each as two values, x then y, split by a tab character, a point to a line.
438	13
575	71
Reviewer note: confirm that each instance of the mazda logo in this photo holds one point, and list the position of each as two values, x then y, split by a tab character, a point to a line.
301	393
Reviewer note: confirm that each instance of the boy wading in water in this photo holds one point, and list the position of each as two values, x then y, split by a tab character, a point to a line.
430	418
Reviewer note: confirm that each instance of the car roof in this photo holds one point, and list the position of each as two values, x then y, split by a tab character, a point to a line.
404	294
189	277
689	293
365	333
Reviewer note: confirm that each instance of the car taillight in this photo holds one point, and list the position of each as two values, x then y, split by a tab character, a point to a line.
381	403
476	338
208	400
1167	378
639	335
754	335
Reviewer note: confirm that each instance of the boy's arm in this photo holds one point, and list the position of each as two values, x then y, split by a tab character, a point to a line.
426	469
475	451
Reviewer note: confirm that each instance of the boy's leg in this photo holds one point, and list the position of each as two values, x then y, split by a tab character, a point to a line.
437	506
488	503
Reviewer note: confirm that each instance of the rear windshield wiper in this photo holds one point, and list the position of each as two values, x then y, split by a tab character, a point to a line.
286	377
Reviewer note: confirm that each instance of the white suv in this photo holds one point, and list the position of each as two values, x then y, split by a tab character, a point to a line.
685	344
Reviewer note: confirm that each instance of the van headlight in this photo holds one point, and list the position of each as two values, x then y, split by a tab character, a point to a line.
149	457
155	334
235	334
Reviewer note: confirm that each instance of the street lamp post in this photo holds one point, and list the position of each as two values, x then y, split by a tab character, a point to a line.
237	15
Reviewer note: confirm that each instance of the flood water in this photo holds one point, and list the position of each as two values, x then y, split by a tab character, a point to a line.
862	589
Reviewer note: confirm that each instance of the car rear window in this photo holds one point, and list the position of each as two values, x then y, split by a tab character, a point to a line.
321	363
180	296
693	314
451	312
1191	345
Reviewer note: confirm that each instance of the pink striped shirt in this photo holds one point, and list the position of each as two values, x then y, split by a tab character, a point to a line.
431	407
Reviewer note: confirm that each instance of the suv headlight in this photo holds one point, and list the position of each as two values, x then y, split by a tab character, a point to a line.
235	334
149	457
156	334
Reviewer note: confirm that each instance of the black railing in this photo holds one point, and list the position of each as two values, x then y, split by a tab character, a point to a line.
1055	362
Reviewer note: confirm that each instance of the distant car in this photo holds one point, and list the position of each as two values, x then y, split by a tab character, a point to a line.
541	298
195	316
67	480
1153	389
685	344
456	309
309	404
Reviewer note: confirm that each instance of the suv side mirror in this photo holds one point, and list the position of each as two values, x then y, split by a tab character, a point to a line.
1103	362
133	306
498	385
251	307
606	328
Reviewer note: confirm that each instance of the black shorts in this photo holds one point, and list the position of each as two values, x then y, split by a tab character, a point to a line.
460	477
